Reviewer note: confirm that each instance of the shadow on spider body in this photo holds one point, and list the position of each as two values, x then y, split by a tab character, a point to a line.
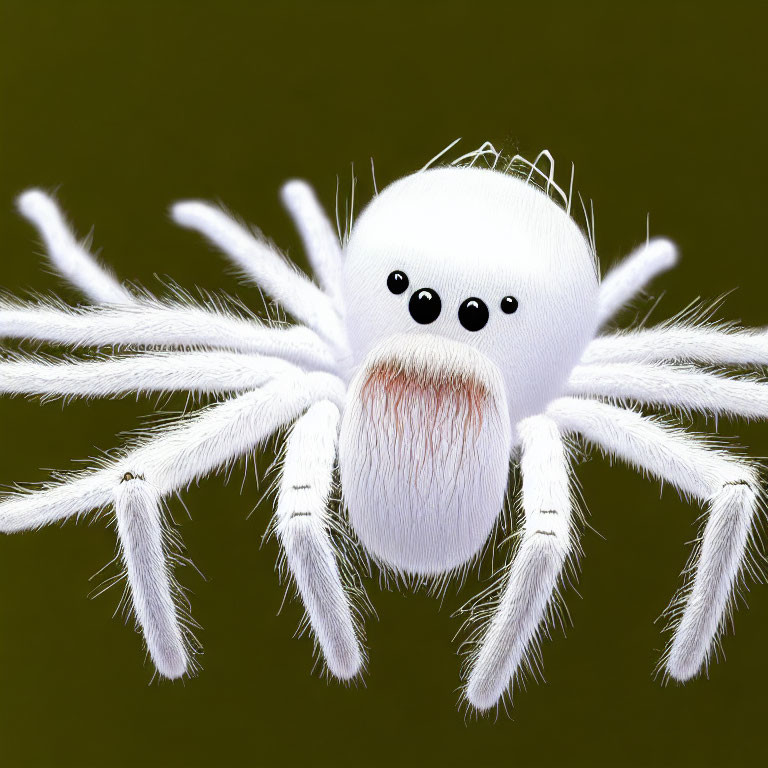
455	331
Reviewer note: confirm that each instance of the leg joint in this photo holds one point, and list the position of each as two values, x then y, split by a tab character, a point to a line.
130	476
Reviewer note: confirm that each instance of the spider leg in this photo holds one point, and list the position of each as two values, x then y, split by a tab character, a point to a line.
135	484
266	267
681	343
686	389
320	241
168	325
210	372
70	258
303	527
154	324
171	460
728	486
630	276
534	573
138	511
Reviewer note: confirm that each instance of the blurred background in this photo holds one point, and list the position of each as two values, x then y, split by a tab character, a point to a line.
125	107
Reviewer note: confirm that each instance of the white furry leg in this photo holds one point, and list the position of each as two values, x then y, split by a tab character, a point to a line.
320	241
723	544
266	266
630	277
71	259
534	573
204	372
138	510
686	389
729	487
302	525
154	324
679	344
177	456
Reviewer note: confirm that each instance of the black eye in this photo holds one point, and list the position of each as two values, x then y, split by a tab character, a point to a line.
425	306
473	314
397	282
509	305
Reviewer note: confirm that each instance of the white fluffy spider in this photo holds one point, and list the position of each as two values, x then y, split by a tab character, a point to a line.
453	333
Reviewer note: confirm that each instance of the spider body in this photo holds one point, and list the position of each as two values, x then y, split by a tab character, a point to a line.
433	406
457	332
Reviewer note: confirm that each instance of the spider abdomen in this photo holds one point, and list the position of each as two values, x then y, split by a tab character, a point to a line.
424	453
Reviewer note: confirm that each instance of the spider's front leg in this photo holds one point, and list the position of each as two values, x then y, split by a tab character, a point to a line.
728	486
165	464
303	527
534	573
138	509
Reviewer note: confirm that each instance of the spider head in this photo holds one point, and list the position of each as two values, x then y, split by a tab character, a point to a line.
484	259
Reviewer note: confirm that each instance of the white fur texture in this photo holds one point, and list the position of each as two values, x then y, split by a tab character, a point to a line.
676	388
320	241
303	526
626	280
429	414
681	344
727	486
139	526
152	324
209	372
534	573
179	455
71	259
266	267
424	453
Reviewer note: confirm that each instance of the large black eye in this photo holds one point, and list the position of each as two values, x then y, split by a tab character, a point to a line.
473	314
509	305
397	282
425	306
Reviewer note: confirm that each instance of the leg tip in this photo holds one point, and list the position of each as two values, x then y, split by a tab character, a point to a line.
345	666
171	666
481	696
683	666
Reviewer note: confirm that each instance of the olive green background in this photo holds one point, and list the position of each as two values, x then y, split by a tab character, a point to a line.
125	107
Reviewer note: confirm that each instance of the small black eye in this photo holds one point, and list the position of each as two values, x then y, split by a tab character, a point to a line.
509	305
425	306
473	314
397	282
